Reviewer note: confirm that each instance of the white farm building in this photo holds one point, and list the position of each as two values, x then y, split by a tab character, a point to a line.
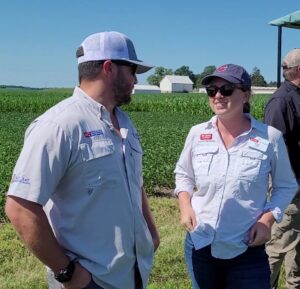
141	88
176	83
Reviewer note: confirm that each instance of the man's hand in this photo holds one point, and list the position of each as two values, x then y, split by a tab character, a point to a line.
150	221
81	278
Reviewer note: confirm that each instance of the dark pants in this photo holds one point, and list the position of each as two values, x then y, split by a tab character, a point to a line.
249	270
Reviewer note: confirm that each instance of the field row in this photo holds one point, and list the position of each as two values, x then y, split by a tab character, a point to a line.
193	103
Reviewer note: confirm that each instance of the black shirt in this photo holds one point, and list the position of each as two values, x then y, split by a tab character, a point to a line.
283	112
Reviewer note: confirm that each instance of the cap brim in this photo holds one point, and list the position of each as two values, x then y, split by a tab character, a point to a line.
207	79
142	67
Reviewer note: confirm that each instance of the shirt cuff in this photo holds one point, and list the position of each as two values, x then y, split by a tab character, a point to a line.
178	190
277	213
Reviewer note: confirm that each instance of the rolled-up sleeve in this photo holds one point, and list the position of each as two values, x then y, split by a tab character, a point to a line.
184	173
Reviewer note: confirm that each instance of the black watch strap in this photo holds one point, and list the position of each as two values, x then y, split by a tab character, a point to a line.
65	274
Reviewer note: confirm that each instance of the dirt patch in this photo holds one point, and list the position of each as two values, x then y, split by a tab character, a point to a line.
163	191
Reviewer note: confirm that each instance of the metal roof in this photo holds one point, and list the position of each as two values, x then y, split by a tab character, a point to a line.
291	20
145	87
178	79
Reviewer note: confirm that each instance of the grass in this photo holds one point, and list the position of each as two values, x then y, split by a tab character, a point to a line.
20	269
169	267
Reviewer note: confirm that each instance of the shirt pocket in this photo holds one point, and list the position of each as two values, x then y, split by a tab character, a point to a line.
252	165
202	158
97	161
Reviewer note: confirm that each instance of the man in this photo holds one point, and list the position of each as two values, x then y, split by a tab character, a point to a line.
76	196
283	112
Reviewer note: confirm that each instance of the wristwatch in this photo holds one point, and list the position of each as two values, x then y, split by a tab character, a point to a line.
65	274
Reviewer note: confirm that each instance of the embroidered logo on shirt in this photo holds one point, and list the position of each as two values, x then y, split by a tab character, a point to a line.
93	133
258	143
206	136
20	179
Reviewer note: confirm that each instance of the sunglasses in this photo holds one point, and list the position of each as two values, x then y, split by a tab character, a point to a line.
133	67
226	89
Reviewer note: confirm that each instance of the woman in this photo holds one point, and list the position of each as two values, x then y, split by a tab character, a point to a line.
222	179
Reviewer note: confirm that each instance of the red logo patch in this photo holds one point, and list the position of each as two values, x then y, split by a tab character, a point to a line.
254	139
206	136
222	68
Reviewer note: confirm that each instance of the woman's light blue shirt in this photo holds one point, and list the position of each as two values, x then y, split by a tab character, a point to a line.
229	187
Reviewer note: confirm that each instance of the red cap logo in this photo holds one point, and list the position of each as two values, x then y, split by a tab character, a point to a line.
222	68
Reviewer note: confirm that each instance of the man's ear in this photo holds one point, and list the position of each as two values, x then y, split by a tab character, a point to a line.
107	66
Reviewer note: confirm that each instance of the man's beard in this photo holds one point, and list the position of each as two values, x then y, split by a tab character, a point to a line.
122	99
122	91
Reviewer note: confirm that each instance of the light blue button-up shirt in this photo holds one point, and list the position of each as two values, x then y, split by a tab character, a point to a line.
228	187
90	179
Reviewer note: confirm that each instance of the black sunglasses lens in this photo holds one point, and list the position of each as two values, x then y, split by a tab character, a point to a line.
133	69
226	90
211	91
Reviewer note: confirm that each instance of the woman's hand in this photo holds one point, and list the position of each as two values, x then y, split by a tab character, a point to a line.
187	214
260	232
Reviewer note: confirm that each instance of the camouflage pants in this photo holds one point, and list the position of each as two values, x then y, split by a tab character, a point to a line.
284	246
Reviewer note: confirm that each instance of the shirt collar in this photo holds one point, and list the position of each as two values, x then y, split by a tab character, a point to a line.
255	124
95	106
291	85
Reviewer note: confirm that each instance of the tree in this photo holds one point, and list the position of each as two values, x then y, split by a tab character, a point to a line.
272	83
185	70
257	78
207	71
159	73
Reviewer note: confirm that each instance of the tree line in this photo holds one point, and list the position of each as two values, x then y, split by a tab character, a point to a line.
160	72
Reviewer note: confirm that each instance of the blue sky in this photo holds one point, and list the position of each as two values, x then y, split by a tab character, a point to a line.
39	38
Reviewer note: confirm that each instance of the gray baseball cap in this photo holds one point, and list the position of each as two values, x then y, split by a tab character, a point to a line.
111	45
